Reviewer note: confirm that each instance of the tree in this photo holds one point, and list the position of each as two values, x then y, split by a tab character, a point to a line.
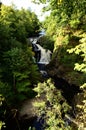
18	73
81	104
22	23
66	24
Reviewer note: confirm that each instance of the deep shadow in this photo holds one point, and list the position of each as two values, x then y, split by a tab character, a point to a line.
68	91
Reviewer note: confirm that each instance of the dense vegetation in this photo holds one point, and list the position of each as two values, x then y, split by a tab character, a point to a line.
67	27
53	106
66	37
18	72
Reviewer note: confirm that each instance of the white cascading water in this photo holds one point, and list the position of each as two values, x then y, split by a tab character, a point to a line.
45	55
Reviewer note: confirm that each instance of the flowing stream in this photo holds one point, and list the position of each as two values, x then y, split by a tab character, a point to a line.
42	58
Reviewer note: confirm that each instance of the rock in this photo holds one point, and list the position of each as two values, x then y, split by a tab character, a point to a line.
28	110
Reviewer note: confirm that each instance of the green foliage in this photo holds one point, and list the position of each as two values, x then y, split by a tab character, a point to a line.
1	99
30	128
53	106
81	115
1	124
64	13
46	42
81	50
22	23
50	26
18	73
66	24
1	102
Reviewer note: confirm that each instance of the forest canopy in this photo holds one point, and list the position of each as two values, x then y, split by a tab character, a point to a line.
66	37
67	27
17	69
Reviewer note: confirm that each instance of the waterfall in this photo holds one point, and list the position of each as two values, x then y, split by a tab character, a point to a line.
42	55
45	55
